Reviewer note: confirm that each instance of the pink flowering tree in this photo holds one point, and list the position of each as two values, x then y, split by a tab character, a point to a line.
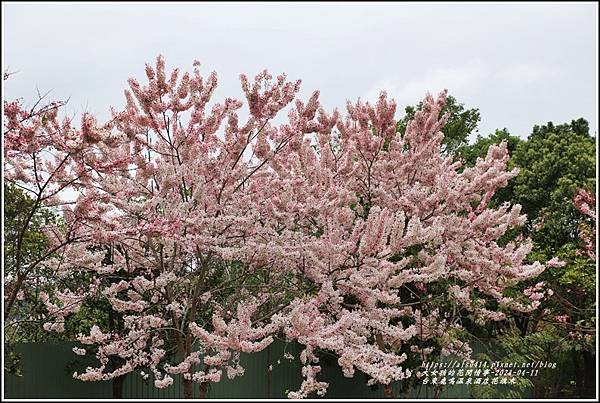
44	158
212	236
585	203
185	245
400	243
577	318
47	160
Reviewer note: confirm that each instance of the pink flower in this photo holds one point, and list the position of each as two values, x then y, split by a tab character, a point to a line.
166	381
555	262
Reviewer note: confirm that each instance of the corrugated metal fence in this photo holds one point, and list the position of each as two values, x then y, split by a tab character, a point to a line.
47	370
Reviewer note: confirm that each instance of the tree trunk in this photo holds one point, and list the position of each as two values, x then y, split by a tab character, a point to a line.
522	325
188	389
578	373
538	389
388	391
269	372
203	390
117	387
114	320
589	377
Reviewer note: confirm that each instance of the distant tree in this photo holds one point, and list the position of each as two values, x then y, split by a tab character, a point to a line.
21	326
555	161
461	123
29	240
470	152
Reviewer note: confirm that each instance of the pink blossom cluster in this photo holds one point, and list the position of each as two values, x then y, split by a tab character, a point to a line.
331	230
585	202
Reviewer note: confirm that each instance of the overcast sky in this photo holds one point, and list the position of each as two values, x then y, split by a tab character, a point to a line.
520	64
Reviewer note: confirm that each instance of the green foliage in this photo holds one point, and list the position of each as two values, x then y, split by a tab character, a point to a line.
18	219
547	344
461	123
24	220
12	361
554	161
580	272
23	236
24	245
470	152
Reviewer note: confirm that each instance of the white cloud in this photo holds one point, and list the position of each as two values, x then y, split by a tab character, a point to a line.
527	73
465	81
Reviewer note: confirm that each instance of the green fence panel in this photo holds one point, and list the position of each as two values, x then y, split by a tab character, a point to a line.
47	370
